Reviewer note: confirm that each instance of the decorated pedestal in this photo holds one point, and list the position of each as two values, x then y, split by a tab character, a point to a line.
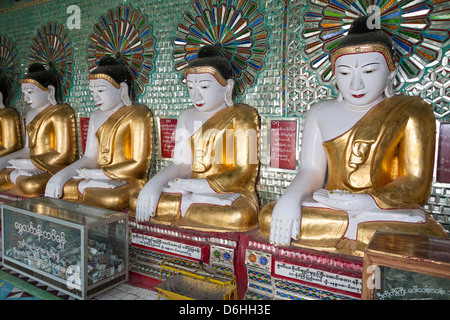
262	272
152	245
296	273
79	249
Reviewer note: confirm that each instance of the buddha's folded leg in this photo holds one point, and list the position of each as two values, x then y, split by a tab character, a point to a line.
241	215
319	227
265	218
70	190
132	204
325	228
116	199
168	209
32	186
5	182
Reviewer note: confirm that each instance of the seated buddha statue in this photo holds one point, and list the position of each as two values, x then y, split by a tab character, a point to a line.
50	142
10	134
367	157
118	150
210	184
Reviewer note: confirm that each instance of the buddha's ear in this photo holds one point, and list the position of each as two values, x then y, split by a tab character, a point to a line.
51	95
1	101
229	92
124	94
389	90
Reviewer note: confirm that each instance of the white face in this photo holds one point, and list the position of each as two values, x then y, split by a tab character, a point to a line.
362	77
207	94
106	96
34	96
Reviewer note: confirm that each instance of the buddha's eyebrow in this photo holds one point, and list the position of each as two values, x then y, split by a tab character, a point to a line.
343	65
370	64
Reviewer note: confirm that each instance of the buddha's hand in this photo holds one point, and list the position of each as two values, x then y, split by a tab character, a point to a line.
99	183
285	223
16	173
147	202
192	185
24	164
54	188
219	199
96	174
208	196
345	201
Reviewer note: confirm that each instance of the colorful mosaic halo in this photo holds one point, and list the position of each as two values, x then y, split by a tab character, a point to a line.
10	67
418	28
52	47
125	34
237	27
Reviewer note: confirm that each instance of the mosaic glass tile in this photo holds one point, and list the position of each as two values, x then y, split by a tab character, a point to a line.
256	296
259	277
125	34
252	286
221	255
294	291
52	47
9	67
237	28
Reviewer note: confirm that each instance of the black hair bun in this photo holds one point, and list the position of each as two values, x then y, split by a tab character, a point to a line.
36	67
210	56
107	61
208	51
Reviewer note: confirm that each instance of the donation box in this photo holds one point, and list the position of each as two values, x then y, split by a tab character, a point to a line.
79	249
400	266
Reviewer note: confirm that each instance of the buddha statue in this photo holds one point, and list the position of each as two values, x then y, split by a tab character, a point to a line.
10	134
367	157
210	185
50	142
118	150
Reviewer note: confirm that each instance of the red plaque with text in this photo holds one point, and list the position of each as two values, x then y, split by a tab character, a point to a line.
443	160
283	144
167	136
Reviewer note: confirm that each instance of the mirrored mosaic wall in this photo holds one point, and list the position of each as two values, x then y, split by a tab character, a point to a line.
290	66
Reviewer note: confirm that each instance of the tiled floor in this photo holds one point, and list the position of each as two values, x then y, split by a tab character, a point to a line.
128	292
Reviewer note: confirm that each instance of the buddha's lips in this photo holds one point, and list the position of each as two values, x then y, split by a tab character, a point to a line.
199	105
358	95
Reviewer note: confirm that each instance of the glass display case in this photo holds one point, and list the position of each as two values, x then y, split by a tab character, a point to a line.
400	266
79	249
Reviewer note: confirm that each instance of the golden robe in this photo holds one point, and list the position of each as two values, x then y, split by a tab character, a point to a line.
125	149
10	137
388	154
52	144
235	127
